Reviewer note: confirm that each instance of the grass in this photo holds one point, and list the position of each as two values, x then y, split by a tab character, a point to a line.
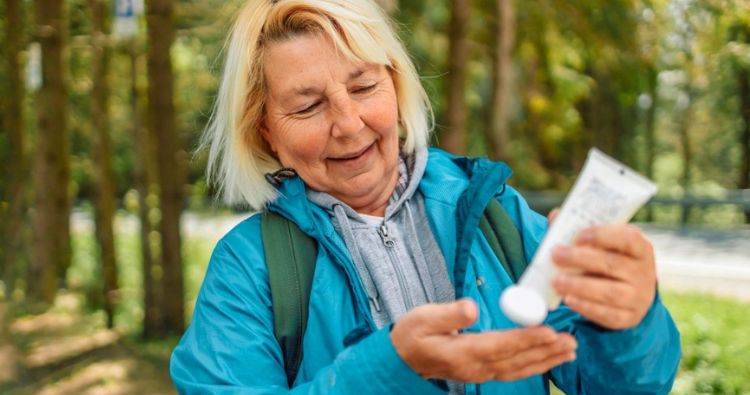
715	331
715	344
715	334
84	274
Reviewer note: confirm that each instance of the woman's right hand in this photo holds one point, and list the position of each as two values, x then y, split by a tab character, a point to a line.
427	339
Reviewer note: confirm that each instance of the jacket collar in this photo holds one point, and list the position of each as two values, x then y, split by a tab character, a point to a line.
449	178
467	183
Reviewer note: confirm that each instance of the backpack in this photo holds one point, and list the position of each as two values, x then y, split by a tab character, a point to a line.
290	258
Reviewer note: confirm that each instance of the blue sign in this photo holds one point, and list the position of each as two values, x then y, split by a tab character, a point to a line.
127	13
124	9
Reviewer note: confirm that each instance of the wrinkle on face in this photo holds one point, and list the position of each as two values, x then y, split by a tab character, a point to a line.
322	109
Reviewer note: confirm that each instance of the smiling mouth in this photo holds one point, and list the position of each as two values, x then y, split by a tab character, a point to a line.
354	155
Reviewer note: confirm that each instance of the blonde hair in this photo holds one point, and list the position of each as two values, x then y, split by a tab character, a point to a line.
238	156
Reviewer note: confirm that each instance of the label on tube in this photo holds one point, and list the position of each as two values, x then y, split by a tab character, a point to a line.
606	192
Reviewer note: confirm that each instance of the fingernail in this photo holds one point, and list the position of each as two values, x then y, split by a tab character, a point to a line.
467	308
586	236
568	299
562	254
562	279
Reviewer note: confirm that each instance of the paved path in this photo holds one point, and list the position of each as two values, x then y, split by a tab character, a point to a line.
688	259
713	261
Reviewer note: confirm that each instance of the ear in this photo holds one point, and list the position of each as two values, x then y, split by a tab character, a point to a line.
266	134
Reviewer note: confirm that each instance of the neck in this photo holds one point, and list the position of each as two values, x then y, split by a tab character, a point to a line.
375	206
378	211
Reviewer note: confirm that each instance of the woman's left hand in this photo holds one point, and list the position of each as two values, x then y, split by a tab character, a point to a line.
608	275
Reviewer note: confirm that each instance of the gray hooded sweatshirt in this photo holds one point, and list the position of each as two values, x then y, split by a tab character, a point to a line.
397	257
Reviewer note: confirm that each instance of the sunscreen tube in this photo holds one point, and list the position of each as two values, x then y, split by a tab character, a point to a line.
606	192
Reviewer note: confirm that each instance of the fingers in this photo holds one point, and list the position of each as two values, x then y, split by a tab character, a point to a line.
592	260
427	341
538	367
537	364
609	276
626	239
450	317
421	336
443	318
552	216
489	346
536	353
486	362
600	290
604	315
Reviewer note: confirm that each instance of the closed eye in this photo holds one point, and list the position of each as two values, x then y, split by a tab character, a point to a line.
365	89
308	109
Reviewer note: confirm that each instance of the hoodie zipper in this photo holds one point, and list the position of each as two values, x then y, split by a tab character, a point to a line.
390	246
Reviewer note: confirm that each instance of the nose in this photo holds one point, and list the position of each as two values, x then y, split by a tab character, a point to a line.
347	117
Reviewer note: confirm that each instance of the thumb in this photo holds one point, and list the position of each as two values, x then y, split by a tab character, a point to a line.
449	317
553	215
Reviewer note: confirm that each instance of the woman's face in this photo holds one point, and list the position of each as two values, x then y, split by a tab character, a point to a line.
333	121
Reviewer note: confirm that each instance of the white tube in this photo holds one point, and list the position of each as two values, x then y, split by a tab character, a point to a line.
606	192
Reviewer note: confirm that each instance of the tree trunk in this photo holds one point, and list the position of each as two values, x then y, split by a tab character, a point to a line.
743	86
687	152
50	252
498	132
454	138
145	179
650	131
104	204
170	158
16	162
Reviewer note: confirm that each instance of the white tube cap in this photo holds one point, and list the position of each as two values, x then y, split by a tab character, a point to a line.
523	305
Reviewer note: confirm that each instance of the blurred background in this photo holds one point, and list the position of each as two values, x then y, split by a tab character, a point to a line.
107	224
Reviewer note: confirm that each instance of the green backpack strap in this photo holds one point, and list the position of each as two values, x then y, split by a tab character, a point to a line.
290	258
504	239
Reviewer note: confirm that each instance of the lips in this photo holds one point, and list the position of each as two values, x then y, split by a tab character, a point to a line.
353	155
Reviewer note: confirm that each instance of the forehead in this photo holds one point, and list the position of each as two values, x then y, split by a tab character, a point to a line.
306	61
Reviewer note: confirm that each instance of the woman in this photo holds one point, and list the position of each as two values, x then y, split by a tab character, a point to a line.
324	87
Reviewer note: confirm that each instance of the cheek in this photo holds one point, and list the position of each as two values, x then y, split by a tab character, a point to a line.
384	118
300	143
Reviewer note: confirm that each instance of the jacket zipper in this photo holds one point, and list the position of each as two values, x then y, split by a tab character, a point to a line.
390	245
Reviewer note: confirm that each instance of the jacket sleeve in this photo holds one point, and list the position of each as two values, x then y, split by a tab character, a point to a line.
640	360
230	347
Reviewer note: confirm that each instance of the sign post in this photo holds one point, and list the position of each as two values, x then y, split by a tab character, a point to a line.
127	14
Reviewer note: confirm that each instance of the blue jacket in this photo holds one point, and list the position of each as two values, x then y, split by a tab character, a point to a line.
230	346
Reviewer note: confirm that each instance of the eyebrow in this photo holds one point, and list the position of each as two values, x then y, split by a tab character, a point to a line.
358	73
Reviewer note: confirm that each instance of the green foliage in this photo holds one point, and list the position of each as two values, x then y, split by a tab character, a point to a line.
84	275
716	348
580	71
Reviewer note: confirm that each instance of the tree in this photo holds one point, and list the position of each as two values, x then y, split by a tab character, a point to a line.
104	204
16	168
742	34
497	132
170	158
454	138
50	251
145	183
